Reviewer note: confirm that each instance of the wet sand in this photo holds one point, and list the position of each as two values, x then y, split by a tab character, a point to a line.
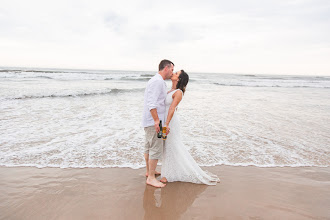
121	193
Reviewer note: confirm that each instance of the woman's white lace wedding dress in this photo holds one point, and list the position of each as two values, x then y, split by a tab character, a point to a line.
177	163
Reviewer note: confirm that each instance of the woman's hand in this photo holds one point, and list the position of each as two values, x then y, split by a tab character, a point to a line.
167	129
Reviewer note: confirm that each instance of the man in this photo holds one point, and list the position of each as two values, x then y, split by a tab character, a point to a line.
154	111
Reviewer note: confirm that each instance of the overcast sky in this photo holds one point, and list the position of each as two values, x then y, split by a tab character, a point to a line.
245	36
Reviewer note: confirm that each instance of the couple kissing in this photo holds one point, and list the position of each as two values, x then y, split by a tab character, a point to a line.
161	105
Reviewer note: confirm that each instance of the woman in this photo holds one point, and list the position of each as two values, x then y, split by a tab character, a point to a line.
177	163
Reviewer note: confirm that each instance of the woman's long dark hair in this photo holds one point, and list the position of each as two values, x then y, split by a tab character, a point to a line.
183	81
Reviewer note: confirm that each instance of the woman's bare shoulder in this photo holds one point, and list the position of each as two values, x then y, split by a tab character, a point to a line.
178	93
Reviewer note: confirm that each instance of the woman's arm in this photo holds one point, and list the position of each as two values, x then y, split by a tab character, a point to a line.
177	97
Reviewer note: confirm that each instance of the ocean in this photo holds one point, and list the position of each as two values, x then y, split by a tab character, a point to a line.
92	118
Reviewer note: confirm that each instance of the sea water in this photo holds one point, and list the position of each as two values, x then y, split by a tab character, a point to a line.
91	118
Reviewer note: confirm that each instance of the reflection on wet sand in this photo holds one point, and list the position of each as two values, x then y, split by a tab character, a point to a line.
171	201
121	193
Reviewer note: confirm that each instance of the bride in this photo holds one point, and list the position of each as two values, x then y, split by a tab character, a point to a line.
177	163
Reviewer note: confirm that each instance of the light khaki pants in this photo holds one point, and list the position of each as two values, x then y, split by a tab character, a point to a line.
153	145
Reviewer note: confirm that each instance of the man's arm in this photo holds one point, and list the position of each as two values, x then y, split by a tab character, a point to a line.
153	94
154	115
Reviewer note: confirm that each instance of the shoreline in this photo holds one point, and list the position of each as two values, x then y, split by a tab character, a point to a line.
121	193
159	166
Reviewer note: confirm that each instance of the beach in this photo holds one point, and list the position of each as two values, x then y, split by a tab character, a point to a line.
121	193
78	78
71	146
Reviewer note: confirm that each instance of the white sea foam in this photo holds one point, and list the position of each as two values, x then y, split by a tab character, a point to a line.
286	82
82	120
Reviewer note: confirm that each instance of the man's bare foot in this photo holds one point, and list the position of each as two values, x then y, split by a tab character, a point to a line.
156	174
155	183
163	180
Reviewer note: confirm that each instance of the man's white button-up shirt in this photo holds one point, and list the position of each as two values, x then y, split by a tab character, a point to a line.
154	97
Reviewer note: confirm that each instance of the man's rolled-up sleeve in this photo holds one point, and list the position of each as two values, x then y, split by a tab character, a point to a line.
153	94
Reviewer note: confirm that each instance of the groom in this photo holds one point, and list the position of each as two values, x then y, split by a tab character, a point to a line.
154	111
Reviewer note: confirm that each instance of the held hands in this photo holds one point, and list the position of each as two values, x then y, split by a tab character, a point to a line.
157	128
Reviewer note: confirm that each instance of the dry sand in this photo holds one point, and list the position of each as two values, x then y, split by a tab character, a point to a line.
121	193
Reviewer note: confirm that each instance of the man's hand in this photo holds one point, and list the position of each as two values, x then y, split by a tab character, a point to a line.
154	115
157	128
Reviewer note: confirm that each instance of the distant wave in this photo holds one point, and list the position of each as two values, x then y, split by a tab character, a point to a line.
134	79
249	75
40	71
90	77
83	94
6	71
44	77
147	75
282	85
67	75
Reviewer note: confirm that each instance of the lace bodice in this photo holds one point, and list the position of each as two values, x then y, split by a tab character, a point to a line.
169	99
168	102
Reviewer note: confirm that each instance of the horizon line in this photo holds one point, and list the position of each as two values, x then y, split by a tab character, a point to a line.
99	69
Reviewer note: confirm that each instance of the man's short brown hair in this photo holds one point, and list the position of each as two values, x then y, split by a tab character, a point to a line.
164	63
